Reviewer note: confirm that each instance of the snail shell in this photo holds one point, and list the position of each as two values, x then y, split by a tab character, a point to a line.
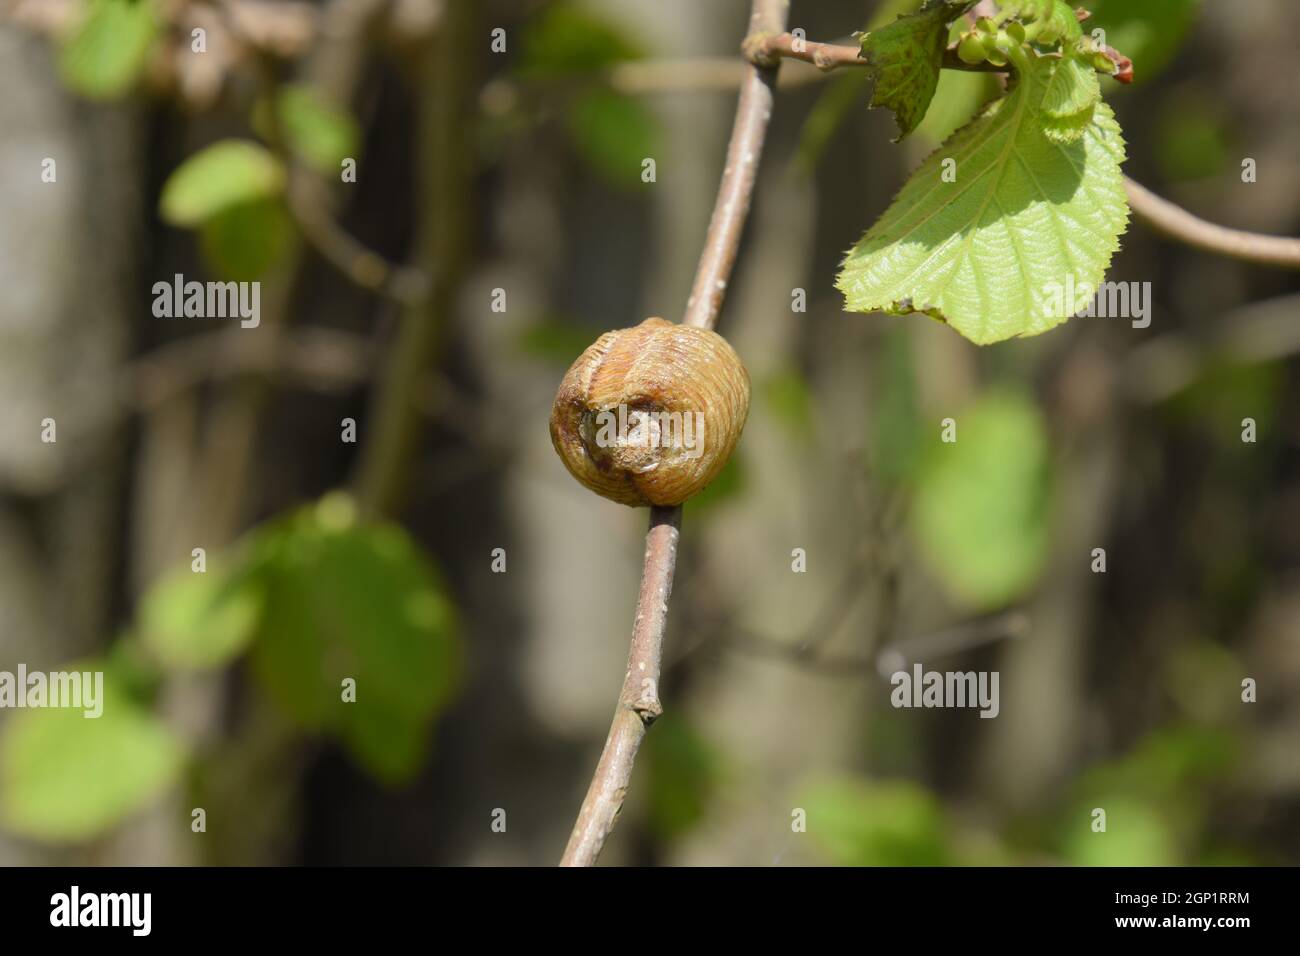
650	415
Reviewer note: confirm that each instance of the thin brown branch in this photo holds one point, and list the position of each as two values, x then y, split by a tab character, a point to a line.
405	285
831	56
753	112
1177	223
638	702
444	245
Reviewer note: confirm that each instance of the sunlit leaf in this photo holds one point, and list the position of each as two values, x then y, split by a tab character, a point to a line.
108	51
905	57
65	777
1016	241
226	174
195	620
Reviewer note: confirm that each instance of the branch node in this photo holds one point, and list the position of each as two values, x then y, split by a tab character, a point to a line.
757	49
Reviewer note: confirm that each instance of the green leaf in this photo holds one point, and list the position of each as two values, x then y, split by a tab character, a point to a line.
65	777
318	131
1071	97
1060	24
195	620
565	39
347	600
613	133
225	174
888	823
980	512
244	242
108	51
905	58
1024	220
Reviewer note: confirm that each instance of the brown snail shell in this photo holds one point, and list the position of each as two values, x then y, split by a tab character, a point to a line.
650	415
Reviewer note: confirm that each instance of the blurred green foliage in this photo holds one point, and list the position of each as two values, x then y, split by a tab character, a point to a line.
828	113
685	770
730	484
318	132
877	823
786	394
1226	393
245	242
65	777
1155	799
105	55
226	174
614	133
1191	140
315	597
981	505
554	339
566	38
1147	32
191	621
344	599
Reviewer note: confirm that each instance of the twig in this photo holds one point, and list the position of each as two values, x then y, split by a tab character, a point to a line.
1165	217
406	285
963	636
638	702
832	56
1177	223
753	112
443	248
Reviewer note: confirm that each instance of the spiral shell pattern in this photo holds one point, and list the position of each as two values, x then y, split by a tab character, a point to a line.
650	415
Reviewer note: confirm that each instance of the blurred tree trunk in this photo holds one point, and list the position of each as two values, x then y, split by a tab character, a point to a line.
66	263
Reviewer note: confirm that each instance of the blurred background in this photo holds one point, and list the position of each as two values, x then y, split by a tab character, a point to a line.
444	203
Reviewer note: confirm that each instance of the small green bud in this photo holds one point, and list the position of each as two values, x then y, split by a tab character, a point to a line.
997	58
971	49
1016	32
987	25
1103	64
